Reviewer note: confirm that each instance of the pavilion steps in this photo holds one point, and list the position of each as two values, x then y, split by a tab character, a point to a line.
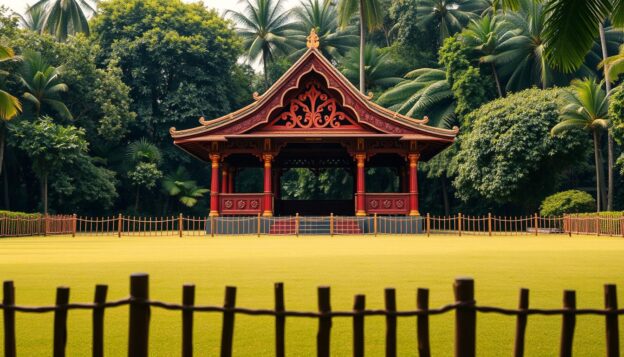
312	225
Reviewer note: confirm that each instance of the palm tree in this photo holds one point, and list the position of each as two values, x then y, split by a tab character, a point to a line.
144	158
483	36
379	69
448	16
614	65
588	109
263	25
425	91
32	18
371	18
178	184
321	15
143	151
10	106
42	83
62	18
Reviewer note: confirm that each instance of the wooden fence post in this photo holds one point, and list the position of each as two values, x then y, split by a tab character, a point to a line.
489	224
536	220
422	323
212	226
428	225
138	336
569	321
613	334
358	325
60	321
45	224
280	321
181	225
297	224
325	322
459	223
391	322
188	300
622	226
521	322
375	222
259	225
74	224
119	225
465	318
227	327
331	224
597	224
8	300
98	320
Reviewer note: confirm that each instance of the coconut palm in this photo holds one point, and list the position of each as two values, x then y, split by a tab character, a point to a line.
614	65
448	16
62	18
42	84
371	18
424	91
32	18
263	25
178	184
588	109
10	106
483	36
321	15
380	71
143	151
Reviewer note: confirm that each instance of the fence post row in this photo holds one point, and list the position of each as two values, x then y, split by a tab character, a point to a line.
188	300
8	300
465	318
60	322
138	335
325	322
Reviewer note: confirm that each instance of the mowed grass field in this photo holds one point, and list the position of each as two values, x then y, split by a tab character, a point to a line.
350	265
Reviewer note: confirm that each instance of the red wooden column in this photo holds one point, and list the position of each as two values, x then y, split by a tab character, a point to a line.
214	185
268	194
360	209
413	184
224	179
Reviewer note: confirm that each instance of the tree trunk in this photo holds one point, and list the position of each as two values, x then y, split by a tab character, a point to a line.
136	201
497	80
599	172
362	47
7	205
266	73
610	159
44	193
445	198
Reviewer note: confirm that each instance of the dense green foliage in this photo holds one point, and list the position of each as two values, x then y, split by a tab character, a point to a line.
571	201
139	67
509	158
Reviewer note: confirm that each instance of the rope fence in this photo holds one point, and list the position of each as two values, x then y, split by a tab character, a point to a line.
465	309
488	225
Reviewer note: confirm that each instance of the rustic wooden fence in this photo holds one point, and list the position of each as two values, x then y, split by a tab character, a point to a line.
300	225
465	309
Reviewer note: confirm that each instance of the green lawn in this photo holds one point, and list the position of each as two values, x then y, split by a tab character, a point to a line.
351	265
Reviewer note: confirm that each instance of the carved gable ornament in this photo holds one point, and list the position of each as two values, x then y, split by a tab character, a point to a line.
313	107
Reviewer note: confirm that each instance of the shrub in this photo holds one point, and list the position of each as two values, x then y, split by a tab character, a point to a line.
572	201
11	214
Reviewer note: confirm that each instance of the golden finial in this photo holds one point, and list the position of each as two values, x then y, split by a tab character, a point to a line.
313	39
256	96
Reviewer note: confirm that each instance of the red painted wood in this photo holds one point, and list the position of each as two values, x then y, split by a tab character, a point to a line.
360	209
268	194
387	203
241	203
413	183
214	185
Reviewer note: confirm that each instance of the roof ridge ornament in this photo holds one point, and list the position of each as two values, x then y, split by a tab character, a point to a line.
313	39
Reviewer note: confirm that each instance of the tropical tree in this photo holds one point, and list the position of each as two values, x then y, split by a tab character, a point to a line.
425	91
483	36
263	25
371	18
614	65
49	146
42	84
322	16
32	18
380	70
144	158
62	18
179	184
588	108
448	16
10	106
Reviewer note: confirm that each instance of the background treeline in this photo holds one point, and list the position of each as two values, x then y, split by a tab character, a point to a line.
89	94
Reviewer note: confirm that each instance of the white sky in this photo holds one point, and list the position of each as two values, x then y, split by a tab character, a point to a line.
20	5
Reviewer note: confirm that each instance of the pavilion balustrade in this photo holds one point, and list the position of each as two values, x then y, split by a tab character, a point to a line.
387	203
242	203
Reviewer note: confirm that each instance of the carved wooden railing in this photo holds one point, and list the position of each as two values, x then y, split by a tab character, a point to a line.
241	203
387	203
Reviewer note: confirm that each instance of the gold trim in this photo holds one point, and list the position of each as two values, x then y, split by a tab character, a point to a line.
414	213
313	39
